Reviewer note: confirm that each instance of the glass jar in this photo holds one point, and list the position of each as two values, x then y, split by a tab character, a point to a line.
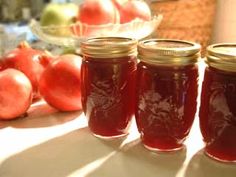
108	83
166	92
218	103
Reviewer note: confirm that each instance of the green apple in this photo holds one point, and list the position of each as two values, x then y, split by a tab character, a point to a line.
59	15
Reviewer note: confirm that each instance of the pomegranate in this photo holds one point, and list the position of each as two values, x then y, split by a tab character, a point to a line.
133	9
97	12
29	61
60	83
15	94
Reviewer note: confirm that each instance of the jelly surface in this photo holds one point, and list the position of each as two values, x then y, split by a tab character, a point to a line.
166	100
218	114
108	94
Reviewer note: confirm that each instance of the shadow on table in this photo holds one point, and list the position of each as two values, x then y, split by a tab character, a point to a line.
134	160
202	166
75	152
41	115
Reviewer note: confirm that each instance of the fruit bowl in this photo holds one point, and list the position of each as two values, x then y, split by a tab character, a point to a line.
72	35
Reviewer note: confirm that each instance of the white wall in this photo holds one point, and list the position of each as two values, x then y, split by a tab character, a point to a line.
225	22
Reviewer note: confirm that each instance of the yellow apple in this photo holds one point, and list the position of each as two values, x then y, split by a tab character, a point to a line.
59	16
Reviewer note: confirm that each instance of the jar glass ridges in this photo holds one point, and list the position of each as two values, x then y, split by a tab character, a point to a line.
166	95
218	103
108	83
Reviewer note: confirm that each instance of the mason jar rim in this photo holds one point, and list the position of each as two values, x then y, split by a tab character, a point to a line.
168	51
109	47
222	56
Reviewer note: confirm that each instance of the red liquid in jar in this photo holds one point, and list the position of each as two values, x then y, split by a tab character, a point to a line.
218	114
108	94
166	101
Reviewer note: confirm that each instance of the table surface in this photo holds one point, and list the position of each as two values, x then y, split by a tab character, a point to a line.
48	143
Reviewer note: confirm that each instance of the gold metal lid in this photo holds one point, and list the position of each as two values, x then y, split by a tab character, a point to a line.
222	56
168	52
109	47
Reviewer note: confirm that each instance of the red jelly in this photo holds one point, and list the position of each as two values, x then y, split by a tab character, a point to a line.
166	92
108	83
218	103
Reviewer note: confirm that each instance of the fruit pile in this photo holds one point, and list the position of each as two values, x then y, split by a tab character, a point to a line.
95	12
27	74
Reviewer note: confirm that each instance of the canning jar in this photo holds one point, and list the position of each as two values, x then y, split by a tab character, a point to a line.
166	92
218	103
108	83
